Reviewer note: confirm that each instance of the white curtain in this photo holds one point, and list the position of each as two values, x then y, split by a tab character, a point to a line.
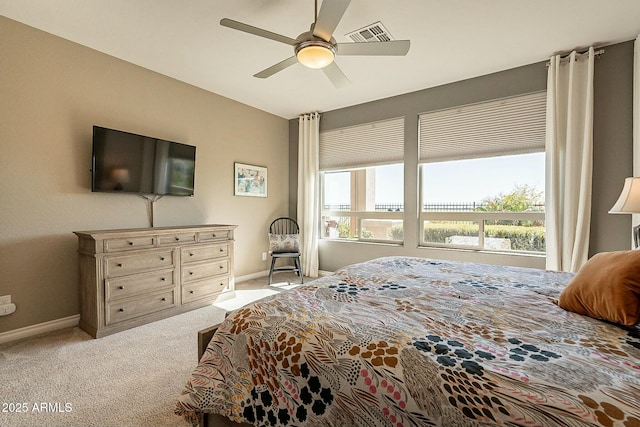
636	121
308	190
569	147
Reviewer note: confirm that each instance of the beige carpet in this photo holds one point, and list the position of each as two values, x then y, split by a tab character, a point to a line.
131	378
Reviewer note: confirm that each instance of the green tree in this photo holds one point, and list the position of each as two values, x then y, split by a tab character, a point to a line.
523	198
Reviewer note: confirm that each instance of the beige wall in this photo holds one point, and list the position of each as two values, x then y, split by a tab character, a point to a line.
52	92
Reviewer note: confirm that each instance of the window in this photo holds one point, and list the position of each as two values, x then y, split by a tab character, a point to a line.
482	176
362	179
364	204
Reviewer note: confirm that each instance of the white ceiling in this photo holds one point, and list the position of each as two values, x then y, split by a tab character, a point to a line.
450	40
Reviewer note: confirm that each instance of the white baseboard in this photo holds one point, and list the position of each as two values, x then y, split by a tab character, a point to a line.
257	275
40	328
265	273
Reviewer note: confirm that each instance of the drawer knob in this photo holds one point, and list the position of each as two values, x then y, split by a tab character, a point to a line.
191	273
192	292
161	258
119	264
163	279
120	287
177	239
221	250
190	253
213	235
130	243
222	266
121	310
164	299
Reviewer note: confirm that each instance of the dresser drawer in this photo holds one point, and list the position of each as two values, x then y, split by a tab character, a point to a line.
129	243
116	266
204	288
118	311
193	272
172	239
200	253
212	236
126	286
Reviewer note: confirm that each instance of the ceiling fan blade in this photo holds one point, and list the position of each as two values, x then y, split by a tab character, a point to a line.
268	72
230	23
329	16
395	47
335	74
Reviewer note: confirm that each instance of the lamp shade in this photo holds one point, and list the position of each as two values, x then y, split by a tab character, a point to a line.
629	200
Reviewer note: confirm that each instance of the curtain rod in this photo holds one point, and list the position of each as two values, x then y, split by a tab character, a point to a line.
597	53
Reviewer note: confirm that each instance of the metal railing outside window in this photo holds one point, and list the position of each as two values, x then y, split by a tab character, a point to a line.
429	207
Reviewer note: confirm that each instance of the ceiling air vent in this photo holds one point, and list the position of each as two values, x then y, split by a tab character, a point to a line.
375	32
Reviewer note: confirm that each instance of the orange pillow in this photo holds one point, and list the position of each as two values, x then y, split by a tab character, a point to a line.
606	287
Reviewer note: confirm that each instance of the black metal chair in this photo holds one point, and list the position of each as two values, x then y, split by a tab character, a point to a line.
284	242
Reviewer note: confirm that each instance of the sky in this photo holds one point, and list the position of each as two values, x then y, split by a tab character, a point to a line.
451	182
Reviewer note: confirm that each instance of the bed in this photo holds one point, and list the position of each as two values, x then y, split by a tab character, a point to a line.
401	341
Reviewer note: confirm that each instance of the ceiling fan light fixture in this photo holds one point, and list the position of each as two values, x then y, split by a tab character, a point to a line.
315	53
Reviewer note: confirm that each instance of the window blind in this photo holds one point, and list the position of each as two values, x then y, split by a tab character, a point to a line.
370	144
506	126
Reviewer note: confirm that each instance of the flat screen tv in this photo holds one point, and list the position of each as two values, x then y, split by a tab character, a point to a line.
124	162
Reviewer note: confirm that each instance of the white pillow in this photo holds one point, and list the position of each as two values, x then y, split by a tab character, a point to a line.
280	243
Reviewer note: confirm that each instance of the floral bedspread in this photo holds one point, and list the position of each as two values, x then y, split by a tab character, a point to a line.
402	341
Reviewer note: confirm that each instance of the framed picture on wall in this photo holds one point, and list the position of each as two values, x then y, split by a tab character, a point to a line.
250	180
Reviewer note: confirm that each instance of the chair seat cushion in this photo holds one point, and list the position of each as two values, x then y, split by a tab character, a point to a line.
285	254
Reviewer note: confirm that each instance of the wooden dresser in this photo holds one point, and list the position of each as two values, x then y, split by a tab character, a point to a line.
132	277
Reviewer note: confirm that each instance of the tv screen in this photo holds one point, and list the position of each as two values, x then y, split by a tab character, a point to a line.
124	162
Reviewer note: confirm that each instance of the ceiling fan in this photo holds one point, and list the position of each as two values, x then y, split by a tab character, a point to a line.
317	48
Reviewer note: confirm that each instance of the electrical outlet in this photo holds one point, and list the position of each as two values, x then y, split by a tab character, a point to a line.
264	256
7	309
6	299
